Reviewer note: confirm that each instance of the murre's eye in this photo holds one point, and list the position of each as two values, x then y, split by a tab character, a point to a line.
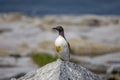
60	28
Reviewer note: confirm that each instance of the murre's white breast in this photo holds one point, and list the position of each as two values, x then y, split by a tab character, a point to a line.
60	41
62	49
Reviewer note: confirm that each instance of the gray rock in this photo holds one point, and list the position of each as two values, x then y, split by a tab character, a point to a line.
100	64
22	34
15	67
61	70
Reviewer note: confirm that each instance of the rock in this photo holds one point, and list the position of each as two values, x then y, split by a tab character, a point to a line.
99	64
113	73
61	70
15	67
23	35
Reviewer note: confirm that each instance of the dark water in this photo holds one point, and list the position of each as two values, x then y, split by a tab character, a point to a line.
44	7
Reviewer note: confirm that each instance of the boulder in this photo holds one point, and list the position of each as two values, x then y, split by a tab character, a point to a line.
61	70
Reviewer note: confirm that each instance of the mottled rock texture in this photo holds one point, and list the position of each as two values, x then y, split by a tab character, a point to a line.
61	70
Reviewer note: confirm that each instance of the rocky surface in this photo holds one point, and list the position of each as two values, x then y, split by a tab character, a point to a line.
90	36
99	64
60	70
15	67
87	33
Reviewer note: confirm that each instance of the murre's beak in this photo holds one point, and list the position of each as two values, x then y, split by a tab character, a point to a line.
54	28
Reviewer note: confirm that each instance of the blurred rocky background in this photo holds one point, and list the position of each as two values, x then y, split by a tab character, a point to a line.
24	41
27	40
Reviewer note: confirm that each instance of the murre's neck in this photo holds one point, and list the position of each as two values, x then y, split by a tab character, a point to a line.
61	33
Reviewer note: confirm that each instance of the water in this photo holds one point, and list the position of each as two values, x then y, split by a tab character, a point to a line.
44	7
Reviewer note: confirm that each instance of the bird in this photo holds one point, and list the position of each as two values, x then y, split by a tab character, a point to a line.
62	46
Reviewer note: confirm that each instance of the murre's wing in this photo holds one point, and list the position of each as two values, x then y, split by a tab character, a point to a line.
69	47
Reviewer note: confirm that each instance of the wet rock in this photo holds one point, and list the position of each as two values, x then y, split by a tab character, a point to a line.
61	70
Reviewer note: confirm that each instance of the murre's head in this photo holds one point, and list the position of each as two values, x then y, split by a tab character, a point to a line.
59	29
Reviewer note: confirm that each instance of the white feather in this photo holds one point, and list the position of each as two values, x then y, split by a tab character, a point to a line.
60	41
64	53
